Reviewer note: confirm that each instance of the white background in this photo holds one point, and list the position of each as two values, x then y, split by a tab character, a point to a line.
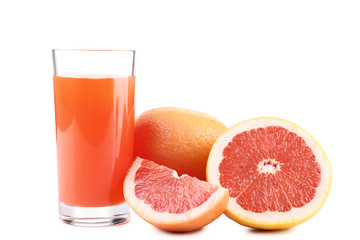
235	60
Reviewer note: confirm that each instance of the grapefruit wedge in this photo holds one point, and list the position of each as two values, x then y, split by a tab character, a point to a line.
277	174
158	195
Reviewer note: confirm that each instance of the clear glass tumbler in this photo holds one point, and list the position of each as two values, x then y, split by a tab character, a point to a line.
94	114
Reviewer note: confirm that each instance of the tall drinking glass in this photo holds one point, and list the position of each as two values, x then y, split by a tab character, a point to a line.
94	114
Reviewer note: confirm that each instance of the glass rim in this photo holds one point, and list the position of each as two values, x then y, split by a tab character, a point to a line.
93	53
94	50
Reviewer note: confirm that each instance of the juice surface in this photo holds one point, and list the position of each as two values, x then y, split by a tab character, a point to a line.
94	137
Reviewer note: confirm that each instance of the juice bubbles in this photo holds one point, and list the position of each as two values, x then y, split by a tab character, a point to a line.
94	137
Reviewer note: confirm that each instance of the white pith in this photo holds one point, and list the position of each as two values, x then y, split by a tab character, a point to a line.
269	217
146	212
269	166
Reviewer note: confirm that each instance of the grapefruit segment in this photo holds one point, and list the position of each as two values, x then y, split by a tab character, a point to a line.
171	202
277	174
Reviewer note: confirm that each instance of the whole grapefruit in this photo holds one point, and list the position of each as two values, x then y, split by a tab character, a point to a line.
180	139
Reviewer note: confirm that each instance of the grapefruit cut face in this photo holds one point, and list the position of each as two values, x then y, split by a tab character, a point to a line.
171	202
277	174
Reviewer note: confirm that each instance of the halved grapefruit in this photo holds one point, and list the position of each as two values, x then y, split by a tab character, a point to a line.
159	196
277	174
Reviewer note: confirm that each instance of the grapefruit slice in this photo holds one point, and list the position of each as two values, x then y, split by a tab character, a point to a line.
162	198
277	174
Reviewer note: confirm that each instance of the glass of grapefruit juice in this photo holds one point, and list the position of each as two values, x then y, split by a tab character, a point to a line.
94	115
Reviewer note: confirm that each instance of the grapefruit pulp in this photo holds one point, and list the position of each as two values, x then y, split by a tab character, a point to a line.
162	198
277	174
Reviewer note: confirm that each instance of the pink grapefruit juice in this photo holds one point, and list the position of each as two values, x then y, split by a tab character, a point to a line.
94	137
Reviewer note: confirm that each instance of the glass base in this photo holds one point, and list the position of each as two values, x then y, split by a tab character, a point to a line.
94	216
